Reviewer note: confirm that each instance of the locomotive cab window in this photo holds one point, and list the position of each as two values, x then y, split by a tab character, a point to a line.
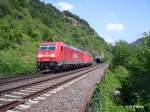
52	47
48	47
42	48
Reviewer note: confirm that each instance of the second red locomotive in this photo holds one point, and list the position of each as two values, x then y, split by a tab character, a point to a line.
57	55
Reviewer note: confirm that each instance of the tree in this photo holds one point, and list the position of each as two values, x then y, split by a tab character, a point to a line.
121	53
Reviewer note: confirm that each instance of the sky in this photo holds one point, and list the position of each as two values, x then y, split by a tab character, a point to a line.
114	20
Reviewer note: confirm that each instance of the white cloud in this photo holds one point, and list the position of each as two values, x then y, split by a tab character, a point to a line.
114	27
64	6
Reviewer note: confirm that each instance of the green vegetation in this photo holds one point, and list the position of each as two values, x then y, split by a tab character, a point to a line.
24	24
128	73
103	99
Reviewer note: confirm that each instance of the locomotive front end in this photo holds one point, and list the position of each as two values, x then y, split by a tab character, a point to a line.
46	57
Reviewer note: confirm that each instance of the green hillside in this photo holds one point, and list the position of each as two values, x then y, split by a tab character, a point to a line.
24	24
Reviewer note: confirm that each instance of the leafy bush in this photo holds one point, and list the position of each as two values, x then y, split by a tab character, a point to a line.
17	62
136	59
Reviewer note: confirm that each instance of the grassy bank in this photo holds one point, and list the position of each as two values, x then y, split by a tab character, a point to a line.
103	100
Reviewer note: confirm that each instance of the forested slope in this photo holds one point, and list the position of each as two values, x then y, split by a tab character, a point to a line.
126	84
24	24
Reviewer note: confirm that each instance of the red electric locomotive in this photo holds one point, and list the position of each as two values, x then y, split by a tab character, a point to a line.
57	55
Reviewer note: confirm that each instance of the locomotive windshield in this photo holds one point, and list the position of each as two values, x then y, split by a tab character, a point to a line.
48	47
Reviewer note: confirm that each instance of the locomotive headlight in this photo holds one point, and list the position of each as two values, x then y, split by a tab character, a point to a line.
39	56
52	55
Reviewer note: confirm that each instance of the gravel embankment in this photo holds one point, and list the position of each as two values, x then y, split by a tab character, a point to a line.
73	98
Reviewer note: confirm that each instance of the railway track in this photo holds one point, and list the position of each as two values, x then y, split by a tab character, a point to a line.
19	78
23	82
12	97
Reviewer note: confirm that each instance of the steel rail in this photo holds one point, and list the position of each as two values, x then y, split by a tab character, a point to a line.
12	104
19	78
38	82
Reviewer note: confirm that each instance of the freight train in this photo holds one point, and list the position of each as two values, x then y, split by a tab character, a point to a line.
57	55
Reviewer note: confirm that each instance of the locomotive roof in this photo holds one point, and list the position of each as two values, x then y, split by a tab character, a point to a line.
47	43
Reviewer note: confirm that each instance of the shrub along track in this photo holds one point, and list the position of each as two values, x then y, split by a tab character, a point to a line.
14	96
